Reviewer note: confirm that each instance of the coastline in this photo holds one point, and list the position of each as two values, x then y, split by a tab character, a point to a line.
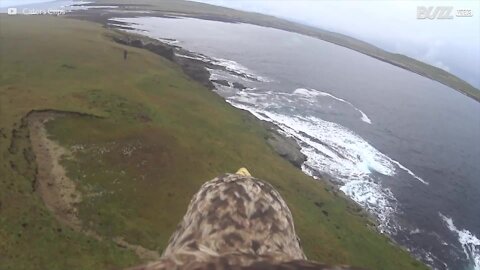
222	14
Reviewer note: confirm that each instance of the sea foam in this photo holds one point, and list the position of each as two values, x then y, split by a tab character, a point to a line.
470	243
330	148
315	93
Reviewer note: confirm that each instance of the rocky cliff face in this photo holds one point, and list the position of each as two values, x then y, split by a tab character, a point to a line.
287	148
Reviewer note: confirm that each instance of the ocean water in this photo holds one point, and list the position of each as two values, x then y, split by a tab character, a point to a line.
404	147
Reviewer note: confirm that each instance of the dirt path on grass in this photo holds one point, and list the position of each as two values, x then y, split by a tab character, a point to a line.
58	192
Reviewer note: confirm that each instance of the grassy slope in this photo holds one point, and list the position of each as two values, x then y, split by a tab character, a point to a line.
181	134
205	10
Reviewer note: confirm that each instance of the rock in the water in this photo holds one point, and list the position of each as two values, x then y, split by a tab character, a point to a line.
221	82
239	86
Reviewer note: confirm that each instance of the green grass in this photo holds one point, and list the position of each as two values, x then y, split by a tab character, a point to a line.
182	135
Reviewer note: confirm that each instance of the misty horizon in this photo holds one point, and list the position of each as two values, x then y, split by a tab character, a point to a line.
393	26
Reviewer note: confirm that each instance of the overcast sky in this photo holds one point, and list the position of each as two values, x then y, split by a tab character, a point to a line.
453	45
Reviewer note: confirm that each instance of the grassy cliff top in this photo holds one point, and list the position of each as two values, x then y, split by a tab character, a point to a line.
158	137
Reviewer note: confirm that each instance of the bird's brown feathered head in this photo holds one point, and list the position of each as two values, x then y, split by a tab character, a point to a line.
236	221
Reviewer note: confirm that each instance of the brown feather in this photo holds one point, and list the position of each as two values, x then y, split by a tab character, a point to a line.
236	222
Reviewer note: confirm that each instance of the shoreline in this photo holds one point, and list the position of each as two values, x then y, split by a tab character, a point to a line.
399	60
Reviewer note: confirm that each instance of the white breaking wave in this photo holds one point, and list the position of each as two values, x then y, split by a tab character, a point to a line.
314	93
235	67
306	92
408	171
197	57
330	148
470	243
133	11
347	154
81	7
